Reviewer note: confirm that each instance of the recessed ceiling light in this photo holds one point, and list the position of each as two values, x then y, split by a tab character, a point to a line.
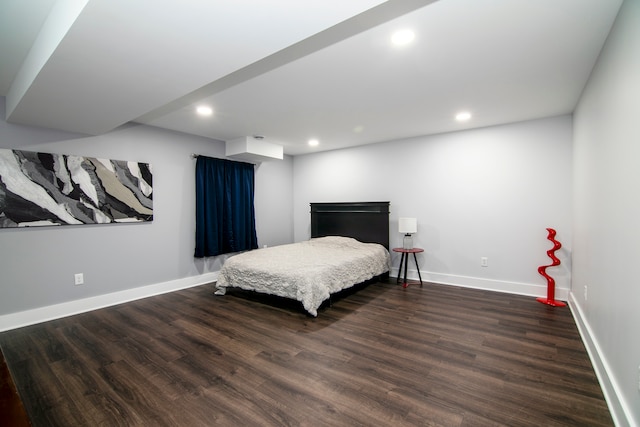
204	110
463	116
402	37
313	142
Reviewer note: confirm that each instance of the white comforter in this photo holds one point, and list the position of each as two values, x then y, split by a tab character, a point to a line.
308	271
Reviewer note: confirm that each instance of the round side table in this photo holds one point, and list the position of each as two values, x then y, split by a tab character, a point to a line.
405	259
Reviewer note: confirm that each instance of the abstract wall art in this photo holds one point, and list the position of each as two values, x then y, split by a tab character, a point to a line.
39	189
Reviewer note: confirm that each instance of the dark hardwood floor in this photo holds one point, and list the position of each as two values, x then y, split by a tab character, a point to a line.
12	412
384	355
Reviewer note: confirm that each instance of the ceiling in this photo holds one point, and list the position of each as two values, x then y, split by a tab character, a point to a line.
291	70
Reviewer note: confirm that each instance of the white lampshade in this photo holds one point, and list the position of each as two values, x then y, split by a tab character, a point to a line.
407	225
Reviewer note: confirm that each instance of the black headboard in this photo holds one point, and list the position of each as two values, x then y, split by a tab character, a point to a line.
367	222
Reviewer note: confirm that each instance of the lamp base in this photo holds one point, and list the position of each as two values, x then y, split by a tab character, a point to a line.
407	242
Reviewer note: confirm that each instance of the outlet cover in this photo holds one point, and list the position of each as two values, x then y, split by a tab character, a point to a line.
79	279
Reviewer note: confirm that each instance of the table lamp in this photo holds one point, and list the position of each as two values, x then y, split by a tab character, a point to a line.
407	226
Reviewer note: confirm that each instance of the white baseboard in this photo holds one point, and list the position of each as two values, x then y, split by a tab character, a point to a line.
57	311
620	411
485	284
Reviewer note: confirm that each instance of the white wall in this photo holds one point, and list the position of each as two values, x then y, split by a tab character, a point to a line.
274	202
488	192
38	264
607	214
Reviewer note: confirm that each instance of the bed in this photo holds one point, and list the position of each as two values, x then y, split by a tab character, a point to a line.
349	245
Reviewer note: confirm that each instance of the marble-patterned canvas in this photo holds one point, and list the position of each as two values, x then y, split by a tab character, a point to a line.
38	189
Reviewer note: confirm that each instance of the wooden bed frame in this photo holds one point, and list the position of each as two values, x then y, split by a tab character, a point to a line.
367	222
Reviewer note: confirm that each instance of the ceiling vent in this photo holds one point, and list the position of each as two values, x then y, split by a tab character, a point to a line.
253	149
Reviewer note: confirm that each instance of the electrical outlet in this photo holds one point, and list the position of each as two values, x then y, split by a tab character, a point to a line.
79	279
585	292
484	261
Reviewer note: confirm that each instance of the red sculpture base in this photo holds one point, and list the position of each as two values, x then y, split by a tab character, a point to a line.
551	284
551	302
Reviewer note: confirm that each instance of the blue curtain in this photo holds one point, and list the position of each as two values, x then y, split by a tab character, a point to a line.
225	216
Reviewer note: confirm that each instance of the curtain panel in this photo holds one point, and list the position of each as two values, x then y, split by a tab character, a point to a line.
225	215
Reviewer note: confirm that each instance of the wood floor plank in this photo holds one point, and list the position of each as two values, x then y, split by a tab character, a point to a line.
377	355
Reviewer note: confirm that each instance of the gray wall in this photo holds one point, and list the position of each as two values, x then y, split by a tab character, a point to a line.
607	212
274	202
488	192
38	264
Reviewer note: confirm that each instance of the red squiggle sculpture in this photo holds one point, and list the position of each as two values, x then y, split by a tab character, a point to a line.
551	284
